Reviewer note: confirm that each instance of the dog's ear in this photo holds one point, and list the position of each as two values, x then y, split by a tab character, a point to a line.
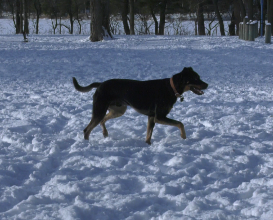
187	69
183	76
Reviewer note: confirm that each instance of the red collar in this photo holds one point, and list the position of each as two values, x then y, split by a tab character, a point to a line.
174	89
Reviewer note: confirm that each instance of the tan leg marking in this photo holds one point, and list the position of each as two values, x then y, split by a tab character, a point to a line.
171	122
114	112
150	128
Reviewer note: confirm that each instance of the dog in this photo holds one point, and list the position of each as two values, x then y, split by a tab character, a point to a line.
154	98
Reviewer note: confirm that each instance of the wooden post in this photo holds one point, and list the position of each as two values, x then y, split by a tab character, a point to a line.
241	30
247	31
244	28
251	36
256	29
268	33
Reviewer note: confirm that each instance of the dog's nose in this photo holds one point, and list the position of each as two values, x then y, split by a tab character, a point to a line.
204	85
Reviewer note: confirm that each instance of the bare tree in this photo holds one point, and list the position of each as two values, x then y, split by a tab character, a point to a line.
250	9
270	13
124	14
222	28
78	6
68	8
38	8
243	10
154	7
26	30
1	7
152	10
19	15
132	17
237	15
162	17
25	8
200	18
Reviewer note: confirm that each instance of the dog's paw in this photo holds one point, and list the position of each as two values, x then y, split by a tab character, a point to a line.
148	142
183	136
86	136
105	134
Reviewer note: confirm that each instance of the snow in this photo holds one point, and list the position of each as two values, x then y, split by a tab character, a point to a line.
223	170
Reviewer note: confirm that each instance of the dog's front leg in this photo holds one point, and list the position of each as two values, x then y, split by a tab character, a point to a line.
168	121
150	128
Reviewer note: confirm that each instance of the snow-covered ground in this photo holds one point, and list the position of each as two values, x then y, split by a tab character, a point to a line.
223	170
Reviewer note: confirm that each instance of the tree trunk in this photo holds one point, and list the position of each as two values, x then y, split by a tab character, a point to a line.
71	22
151	7
200	19
99	20
96	21
124	14
24	11
106	18
18	18
237	16
162	17
60	23
13	12
78	18
26	23
37	23
232	25
21	17
243	10
222	28
38	9
262	24
270	13
25	31
132	17
250	10
155	20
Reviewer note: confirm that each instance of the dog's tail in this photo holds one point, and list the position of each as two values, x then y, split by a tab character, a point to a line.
86	88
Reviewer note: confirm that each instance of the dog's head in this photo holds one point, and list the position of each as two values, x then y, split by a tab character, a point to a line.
187	80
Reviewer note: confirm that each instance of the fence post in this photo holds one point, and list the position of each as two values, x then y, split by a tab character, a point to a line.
251	36
268	33
256	29
245	32
241	30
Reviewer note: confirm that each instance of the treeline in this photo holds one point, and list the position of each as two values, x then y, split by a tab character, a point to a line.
22	10
158	11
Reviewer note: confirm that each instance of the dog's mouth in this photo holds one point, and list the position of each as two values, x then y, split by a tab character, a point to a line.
196	90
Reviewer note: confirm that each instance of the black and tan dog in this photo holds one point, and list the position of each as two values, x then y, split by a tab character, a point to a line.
154	98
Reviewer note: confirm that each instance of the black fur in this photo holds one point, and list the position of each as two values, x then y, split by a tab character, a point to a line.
154	98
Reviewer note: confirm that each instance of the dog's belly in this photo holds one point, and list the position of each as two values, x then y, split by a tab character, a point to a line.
145	112
140	107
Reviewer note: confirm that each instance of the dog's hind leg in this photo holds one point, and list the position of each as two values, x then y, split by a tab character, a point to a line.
114	112
99	111
150	128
